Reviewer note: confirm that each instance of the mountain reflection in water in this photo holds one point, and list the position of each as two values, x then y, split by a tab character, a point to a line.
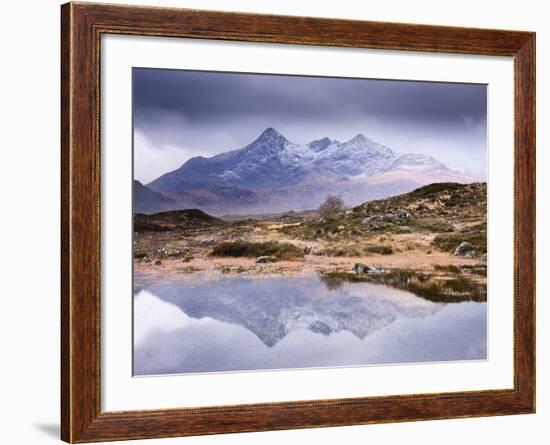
230	323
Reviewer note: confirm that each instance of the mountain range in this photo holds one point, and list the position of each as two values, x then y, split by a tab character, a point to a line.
273	174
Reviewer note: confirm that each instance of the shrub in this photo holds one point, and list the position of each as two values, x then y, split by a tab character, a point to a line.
283	251
380	250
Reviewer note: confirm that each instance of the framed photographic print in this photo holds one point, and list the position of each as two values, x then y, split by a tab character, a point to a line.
274	222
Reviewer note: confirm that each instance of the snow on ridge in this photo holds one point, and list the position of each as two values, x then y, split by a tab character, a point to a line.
271	160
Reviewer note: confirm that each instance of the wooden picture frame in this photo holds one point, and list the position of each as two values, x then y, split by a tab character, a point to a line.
82	25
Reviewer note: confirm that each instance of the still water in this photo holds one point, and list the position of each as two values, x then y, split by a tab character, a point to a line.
236	323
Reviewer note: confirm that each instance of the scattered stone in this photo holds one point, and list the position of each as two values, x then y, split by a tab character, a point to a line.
266	259
176	254
422	208
158	262
207	241
401	214
389	217
161	252
363	268
465	249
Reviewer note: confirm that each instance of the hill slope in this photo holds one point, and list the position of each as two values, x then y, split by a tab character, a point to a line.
452	212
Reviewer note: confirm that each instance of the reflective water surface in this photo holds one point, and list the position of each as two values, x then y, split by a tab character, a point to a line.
236	323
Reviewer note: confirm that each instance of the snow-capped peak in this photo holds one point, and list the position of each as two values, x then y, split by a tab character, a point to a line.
413	161
359	138
270	135
271	161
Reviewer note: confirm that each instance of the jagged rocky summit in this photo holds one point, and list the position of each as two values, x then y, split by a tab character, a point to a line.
273	174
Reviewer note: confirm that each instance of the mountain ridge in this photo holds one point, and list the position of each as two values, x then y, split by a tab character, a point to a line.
275	172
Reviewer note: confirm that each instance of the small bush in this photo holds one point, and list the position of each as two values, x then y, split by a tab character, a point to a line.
283	251
379	250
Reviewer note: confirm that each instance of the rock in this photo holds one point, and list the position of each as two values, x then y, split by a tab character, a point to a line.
465	249
158	262
320	328
389	217
401	214
422	208
363	268
484	257
207	241
161	252
266	259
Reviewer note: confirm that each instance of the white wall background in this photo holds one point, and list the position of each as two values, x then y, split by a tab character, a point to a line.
29	235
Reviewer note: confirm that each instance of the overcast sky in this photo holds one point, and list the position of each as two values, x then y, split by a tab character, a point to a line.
180	114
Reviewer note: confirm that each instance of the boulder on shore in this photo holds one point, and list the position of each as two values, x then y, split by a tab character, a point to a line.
465	249
266	259
363	268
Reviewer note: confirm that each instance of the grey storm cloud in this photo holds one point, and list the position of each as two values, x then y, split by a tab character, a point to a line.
180	114
213	95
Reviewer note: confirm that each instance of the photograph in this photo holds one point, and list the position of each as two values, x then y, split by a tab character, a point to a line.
292	221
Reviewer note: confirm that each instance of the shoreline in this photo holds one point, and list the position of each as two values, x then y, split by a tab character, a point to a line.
178	269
